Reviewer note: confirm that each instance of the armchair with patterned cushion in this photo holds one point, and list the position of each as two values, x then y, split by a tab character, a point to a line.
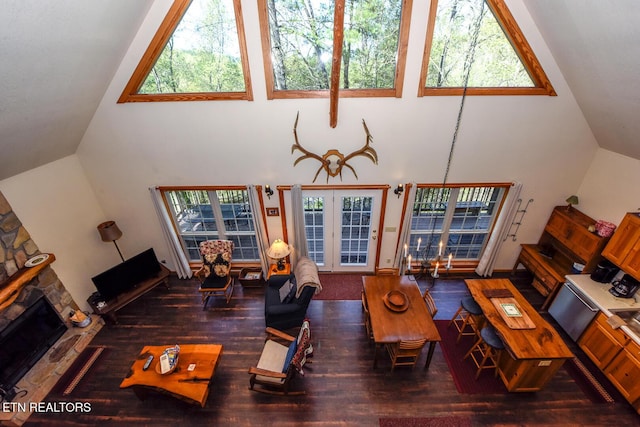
287	297
215	274
282	356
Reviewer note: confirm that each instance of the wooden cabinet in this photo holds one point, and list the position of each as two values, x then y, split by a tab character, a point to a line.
601	342
624	371
624	247
566	240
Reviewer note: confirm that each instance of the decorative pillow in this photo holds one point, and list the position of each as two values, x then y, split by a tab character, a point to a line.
291	295
285	290
304	349
218	263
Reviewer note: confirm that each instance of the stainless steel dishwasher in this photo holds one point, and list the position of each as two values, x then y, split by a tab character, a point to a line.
572	310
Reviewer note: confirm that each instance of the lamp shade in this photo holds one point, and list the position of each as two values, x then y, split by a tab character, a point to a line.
278	249
109	231
572	200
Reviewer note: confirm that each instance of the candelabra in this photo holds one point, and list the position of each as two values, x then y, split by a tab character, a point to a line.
430	268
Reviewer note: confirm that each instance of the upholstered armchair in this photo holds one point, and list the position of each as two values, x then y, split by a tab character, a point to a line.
287	297
215	274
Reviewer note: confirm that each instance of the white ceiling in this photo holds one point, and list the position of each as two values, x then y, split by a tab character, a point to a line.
58	57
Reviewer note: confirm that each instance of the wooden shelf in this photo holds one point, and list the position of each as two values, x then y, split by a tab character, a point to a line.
10	288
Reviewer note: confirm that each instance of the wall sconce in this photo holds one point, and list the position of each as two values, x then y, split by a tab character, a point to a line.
268	191
399	189
109	232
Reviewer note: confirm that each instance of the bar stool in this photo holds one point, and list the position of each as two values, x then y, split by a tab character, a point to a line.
486	351
468	319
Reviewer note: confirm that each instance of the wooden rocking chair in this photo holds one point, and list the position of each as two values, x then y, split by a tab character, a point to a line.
279	363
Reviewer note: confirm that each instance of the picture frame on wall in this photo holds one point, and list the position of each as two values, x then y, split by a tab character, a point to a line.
273	212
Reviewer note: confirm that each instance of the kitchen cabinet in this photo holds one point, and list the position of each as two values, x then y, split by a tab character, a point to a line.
624	247
601	342
624	371
566	240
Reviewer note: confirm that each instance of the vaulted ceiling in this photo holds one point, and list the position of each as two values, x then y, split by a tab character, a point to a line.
59	56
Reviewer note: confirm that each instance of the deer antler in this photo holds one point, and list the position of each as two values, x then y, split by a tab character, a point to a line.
366	151
339	160
307	154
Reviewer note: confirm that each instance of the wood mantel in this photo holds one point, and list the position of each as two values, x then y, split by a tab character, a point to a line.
10	288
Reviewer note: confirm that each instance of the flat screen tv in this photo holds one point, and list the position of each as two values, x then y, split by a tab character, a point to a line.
127	275
26	339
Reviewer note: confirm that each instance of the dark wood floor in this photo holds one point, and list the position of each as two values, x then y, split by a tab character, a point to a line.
342	389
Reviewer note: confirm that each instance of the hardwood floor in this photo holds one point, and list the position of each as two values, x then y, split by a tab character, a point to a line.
342	388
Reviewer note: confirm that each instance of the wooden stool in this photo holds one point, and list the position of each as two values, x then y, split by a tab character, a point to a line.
468	319
486	351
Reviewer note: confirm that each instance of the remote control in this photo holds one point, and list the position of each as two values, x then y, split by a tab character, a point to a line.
147	363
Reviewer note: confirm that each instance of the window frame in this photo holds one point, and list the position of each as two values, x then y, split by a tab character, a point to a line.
396	91
155	49
460	263
218	217
542	84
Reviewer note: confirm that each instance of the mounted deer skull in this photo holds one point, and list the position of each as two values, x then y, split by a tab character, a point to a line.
333	160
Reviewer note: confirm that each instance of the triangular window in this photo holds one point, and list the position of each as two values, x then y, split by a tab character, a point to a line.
484	34
198	53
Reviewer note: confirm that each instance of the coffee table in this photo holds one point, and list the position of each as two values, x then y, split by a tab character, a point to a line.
189	386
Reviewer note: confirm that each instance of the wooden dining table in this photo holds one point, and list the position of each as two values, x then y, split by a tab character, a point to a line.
390	326
534	349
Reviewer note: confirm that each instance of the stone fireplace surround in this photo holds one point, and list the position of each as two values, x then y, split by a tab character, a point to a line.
16	247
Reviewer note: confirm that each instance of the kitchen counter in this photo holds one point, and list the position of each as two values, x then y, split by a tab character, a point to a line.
599	295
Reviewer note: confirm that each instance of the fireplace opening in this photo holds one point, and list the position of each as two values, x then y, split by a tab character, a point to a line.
24	341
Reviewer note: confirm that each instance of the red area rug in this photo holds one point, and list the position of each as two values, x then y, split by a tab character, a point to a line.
463	371
453	421
340	287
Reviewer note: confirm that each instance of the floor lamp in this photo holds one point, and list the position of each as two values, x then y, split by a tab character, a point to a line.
109	232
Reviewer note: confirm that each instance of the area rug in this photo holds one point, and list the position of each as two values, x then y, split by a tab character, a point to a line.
453	421
463	371
592	381
77	371
340	287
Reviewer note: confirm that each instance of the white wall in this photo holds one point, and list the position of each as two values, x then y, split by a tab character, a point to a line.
59	209
543	142
610	188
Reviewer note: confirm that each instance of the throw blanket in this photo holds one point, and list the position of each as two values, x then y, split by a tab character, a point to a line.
306	273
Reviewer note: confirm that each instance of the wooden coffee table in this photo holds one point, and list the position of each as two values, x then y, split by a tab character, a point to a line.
189	386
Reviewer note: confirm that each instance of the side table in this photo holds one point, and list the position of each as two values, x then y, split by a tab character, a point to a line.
273	269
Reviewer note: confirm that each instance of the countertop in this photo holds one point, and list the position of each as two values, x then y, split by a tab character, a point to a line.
599	294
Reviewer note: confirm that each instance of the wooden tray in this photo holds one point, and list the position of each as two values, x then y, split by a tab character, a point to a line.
513	321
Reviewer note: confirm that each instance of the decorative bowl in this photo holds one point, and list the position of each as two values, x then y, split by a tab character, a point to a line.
172	354
396	301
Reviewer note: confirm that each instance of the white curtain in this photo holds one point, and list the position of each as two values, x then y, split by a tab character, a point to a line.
509	210
176	253
258	224
405	233
299	233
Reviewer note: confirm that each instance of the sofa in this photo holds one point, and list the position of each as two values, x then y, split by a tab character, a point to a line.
288	296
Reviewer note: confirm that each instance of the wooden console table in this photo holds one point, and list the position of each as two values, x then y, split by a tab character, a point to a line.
108	311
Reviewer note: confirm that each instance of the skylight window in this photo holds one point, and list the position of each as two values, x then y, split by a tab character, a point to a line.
502	60
197	53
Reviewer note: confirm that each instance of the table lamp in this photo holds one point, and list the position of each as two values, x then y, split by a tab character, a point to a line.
279	251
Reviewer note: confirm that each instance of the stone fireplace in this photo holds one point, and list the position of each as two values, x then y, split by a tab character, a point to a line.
16	247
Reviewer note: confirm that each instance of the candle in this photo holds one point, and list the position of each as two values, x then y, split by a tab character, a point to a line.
449	261
419	241
409	263
440	248
435	273
405	250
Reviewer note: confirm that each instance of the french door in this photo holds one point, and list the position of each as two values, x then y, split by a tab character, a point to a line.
342	228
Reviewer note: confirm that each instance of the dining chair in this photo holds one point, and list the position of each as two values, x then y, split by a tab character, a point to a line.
367	317
405	353
431	304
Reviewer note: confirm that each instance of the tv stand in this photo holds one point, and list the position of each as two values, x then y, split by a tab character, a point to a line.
108	310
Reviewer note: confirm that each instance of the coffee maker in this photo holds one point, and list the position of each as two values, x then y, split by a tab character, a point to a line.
604	272
625	287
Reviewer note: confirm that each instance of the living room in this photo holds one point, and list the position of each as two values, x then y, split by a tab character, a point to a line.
70	162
